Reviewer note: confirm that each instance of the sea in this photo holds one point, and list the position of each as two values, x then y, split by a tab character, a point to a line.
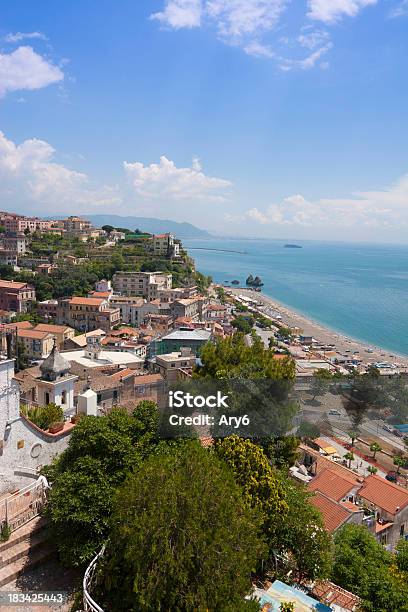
359	290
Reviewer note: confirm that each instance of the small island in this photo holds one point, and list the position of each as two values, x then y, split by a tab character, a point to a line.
235	282
293	246
254	282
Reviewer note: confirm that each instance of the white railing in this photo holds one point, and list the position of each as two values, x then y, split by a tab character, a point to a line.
18	509
89	582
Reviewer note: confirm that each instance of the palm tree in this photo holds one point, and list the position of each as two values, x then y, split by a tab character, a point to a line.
372	469
399	462
350	457
353	434
375	448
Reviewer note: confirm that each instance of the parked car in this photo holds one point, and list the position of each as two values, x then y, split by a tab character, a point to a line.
388	428
334	412
398	433
392	476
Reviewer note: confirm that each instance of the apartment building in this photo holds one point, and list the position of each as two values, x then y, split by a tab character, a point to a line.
60	332
142	284
38	344
20	223
177	293
16	296
169	364
87	314
131	308
15	241
164	245
193	308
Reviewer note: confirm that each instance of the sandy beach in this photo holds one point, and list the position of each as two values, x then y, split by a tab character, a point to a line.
321	333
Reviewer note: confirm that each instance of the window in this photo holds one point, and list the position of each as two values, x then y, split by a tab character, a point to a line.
64	397
47	397
402	530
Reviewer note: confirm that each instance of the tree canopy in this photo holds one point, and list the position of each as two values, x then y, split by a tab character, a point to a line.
183	537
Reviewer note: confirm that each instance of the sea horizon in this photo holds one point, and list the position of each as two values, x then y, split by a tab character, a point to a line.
358	290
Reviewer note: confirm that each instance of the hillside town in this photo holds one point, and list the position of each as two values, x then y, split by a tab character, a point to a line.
94	320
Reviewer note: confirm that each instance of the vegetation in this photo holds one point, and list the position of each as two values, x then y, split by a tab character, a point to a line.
321	382
182	537
308	430
364	567
231	357
101	454
43	416
243	324
375	448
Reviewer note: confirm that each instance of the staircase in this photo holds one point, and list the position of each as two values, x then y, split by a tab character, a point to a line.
27	547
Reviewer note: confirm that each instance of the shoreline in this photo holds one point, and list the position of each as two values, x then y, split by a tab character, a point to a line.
323	333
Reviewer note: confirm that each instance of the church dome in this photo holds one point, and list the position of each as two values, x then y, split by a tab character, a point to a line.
54	366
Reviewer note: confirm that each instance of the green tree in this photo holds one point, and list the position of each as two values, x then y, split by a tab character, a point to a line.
372	469
321	382
183	537
363	566
243	324
375	448
22	359
349	457
399	462
260	483
402	556
101	453
302	543
287	606
308	430
108	228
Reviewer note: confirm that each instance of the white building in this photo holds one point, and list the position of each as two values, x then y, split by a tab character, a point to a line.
24	449
142	284
56	385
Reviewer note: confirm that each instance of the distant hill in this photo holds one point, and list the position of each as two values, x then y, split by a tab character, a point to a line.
148	224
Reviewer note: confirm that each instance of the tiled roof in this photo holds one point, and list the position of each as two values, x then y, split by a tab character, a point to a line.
331	484
323	463
33	334
122	374
334	514
5	284
84	301
52	328
385	495
330	593
148	379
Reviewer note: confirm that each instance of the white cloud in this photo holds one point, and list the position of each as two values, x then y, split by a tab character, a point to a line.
25	69
257	49
387	209
330	11
311	39
29	175
252	24
180	14
401	10
19	36
238	18
308	62
166	180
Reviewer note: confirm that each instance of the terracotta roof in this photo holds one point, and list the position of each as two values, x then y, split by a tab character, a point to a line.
331	484
5	284
33	333
126	373
21	325
385	495
85	301
329	593
334	514
99	294
147	379
324	463
52	328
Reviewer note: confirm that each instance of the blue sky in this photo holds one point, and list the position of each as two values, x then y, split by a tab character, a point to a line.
248	117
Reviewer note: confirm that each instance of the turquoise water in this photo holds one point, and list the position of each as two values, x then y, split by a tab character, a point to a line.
358	289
